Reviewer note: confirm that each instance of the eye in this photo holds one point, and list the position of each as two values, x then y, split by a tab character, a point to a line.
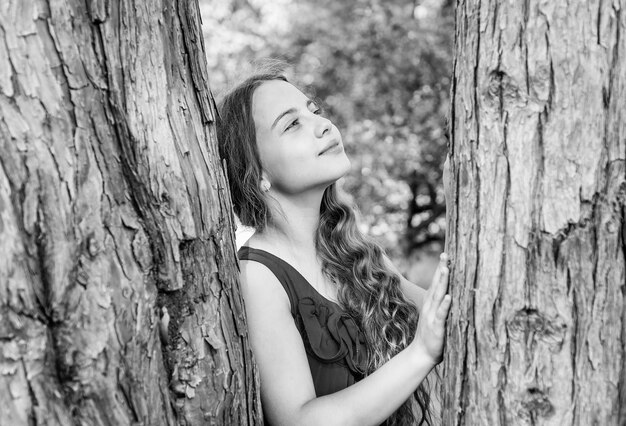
292	124
317	110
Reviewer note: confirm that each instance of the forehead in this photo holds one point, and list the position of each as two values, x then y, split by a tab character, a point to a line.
272	98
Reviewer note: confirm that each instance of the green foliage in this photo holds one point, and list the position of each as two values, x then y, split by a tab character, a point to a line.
382	69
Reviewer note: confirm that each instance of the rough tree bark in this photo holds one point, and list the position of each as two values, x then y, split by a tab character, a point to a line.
114	217
537	202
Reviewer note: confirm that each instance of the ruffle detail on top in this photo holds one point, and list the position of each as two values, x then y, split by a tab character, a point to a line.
336	337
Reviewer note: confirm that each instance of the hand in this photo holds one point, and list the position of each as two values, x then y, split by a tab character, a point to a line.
431	326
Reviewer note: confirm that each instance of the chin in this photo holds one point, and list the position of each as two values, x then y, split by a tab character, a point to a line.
348	164
322	176
342	169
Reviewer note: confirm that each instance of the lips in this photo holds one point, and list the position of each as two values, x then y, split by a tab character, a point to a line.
328	147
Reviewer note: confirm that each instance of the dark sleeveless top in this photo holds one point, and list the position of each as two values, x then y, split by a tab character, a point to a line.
334	344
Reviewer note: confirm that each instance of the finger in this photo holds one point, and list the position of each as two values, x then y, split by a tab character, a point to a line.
431	300
433	295
441	286
436	278
444	308
443	259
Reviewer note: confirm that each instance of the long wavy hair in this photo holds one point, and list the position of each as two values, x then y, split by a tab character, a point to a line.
367	289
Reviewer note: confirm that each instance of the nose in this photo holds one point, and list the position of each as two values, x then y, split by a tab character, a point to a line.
323	126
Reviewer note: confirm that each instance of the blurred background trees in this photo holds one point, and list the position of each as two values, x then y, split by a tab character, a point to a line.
382	71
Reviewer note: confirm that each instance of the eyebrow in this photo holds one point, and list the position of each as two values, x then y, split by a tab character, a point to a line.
290	111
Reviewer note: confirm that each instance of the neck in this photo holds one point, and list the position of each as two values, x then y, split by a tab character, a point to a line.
295	219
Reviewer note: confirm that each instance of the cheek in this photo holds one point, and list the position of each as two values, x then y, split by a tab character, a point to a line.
285	161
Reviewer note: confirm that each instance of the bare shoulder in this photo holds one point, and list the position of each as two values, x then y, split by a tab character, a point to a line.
286	382
258	284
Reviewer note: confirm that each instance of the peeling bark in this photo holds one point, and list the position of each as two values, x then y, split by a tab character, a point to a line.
115	217
536	219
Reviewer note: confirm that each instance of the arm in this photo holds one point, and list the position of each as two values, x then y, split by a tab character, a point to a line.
287	388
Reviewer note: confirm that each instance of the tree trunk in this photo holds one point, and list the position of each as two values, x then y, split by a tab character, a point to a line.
537	202
118	278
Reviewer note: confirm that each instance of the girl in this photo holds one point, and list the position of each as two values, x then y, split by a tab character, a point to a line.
333	326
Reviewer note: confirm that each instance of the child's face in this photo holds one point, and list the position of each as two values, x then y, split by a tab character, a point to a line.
299	148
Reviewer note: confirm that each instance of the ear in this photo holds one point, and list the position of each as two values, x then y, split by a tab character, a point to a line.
264	184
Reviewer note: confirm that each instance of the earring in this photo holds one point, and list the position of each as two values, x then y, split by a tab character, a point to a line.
265	186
